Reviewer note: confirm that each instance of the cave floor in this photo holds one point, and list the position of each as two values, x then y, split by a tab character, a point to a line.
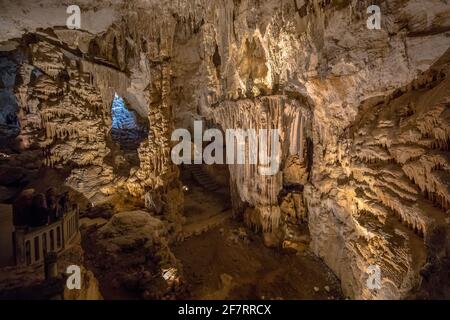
230	262
221	259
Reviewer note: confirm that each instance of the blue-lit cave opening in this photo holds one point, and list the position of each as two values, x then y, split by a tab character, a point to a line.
122	118
128	130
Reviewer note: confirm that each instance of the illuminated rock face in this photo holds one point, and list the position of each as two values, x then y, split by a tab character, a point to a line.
365	111
393	167
257	190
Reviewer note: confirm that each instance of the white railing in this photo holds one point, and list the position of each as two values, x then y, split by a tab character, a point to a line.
31	244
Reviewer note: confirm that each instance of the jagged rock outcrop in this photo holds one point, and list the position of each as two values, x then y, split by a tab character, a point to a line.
146	237
391	166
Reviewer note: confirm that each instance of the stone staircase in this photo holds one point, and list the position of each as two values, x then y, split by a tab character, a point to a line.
209	206
202	178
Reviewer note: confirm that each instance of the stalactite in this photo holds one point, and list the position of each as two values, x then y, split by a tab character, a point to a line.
300	142
265	113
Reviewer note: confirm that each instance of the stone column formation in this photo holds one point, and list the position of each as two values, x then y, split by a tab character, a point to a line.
285	116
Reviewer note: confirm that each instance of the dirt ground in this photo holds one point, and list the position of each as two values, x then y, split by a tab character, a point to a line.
220	258
229	262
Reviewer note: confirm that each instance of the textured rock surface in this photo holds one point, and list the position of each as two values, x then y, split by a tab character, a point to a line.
137	228
372	155
138	243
